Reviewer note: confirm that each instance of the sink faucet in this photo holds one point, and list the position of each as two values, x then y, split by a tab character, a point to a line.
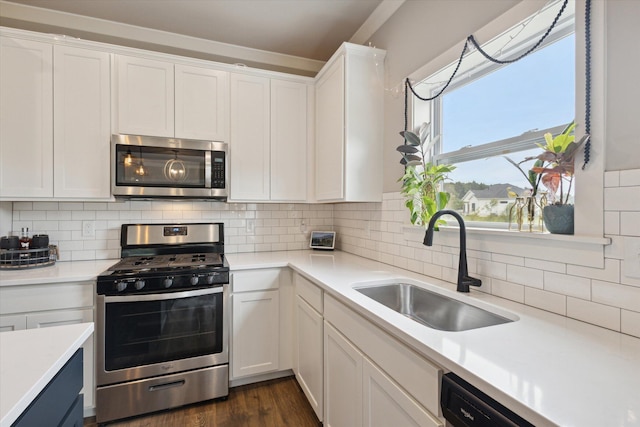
464	280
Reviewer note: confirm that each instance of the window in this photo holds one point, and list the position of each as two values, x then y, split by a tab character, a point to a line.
490	111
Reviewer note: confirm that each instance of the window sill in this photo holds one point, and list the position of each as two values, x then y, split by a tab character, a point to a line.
571	249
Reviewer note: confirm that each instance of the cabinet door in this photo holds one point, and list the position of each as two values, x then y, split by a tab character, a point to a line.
145	96
249	142
342	381
26	114
309	354
82	123
68	317
202	97
288	141
386	404
330	133
256	333
16	322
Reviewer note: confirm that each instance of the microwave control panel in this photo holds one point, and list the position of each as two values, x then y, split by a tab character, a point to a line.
217	169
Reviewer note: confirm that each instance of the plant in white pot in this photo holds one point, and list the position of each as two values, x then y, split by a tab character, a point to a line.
422	180
558	157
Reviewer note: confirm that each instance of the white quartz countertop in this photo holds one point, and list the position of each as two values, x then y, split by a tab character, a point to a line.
61	271
29	359
550	369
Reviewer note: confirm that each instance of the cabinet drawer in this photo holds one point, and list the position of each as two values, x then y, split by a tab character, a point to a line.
309	292
53	296
256	280
415	374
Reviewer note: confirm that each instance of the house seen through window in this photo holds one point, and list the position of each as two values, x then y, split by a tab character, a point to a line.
491	111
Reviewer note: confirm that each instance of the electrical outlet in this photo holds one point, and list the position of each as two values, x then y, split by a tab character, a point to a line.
632	257
88	228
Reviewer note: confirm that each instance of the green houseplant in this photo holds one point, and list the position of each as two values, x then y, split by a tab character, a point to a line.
422	181
556	172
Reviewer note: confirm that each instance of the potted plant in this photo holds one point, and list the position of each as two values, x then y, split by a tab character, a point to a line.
556	174
422	180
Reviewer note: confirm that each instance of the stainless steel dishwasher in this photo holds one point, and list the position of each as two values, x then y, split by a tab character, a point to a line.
463	405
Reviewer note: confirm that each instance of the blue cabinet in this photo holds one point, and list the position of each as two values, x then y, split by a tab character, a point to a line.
60	403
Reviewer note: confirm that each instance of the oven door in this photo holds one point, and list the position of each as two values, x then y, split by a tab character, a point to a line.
140	336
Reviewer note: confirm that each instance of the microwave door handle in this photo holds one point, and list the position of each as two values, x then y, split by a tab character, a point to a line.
163	296
207	169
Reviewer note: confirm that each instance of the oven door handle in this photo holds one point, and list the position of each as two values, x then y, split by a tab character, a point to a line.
164	296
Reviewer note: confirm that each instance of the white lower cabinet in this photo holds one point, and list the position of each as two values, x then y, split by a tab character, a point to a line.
53	304
342	380
371	379
385	403
256	335
261	324
308	357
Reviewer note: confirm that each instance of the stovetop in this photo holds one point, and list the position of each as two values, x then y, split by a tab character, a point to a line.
168	262
159	258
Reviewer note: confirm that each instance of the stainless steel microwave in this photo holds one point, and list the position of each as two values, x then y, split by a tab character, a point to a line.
150	167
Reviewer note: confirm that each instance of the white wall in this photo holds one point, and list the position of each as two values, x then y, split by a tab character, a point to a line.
623	89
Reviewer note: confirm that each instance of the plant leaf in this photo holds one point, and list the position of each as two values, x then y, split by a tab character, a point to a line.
409	149
410	137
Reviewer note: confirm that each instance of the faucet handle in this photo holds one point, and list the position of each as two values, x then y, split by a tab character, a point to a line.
471	281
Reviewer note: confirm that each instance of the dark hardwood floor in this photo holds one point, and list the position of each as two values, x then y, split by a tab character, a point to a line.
273	403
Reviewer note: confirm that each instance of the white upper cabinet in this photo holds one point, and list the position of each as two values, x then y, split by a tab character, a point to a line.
288	141
82	123
145	96
268	142
249	145
202	103
349	117
26	118
159	98
55	114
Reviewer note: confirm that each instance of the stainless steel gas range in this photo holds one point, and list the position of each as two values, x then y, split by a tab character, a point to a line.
162	320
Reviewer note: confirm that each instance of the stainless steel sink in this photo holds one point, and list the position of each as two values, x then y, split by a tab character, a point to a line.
431	309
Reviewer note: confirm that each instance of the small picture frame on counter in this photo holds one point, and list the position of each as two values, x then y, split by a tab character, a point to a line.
323	240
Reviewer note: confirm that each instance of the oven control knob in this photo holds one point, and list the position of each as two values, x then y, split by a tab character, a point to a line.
139	284
194	280
167	282
121	286
210	278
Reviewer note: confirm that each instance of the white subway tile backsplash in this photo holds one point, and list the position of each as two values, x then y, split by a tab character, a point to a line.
508	290
578	287
612	179
630	223
617	295
610	273
45	206
612	223
631	323
508	259
630	178
622	199
544	300
525	276
591	312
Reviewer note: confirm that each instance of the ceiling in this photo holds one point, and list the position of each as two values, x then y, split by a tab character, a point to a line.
299	29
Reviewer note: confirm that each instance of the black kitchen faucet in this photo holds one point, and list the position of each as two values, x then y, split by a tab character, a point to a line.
464	280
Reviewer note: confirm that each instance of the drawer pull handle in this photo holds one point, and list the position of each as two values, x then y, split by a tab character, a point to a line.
166	385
